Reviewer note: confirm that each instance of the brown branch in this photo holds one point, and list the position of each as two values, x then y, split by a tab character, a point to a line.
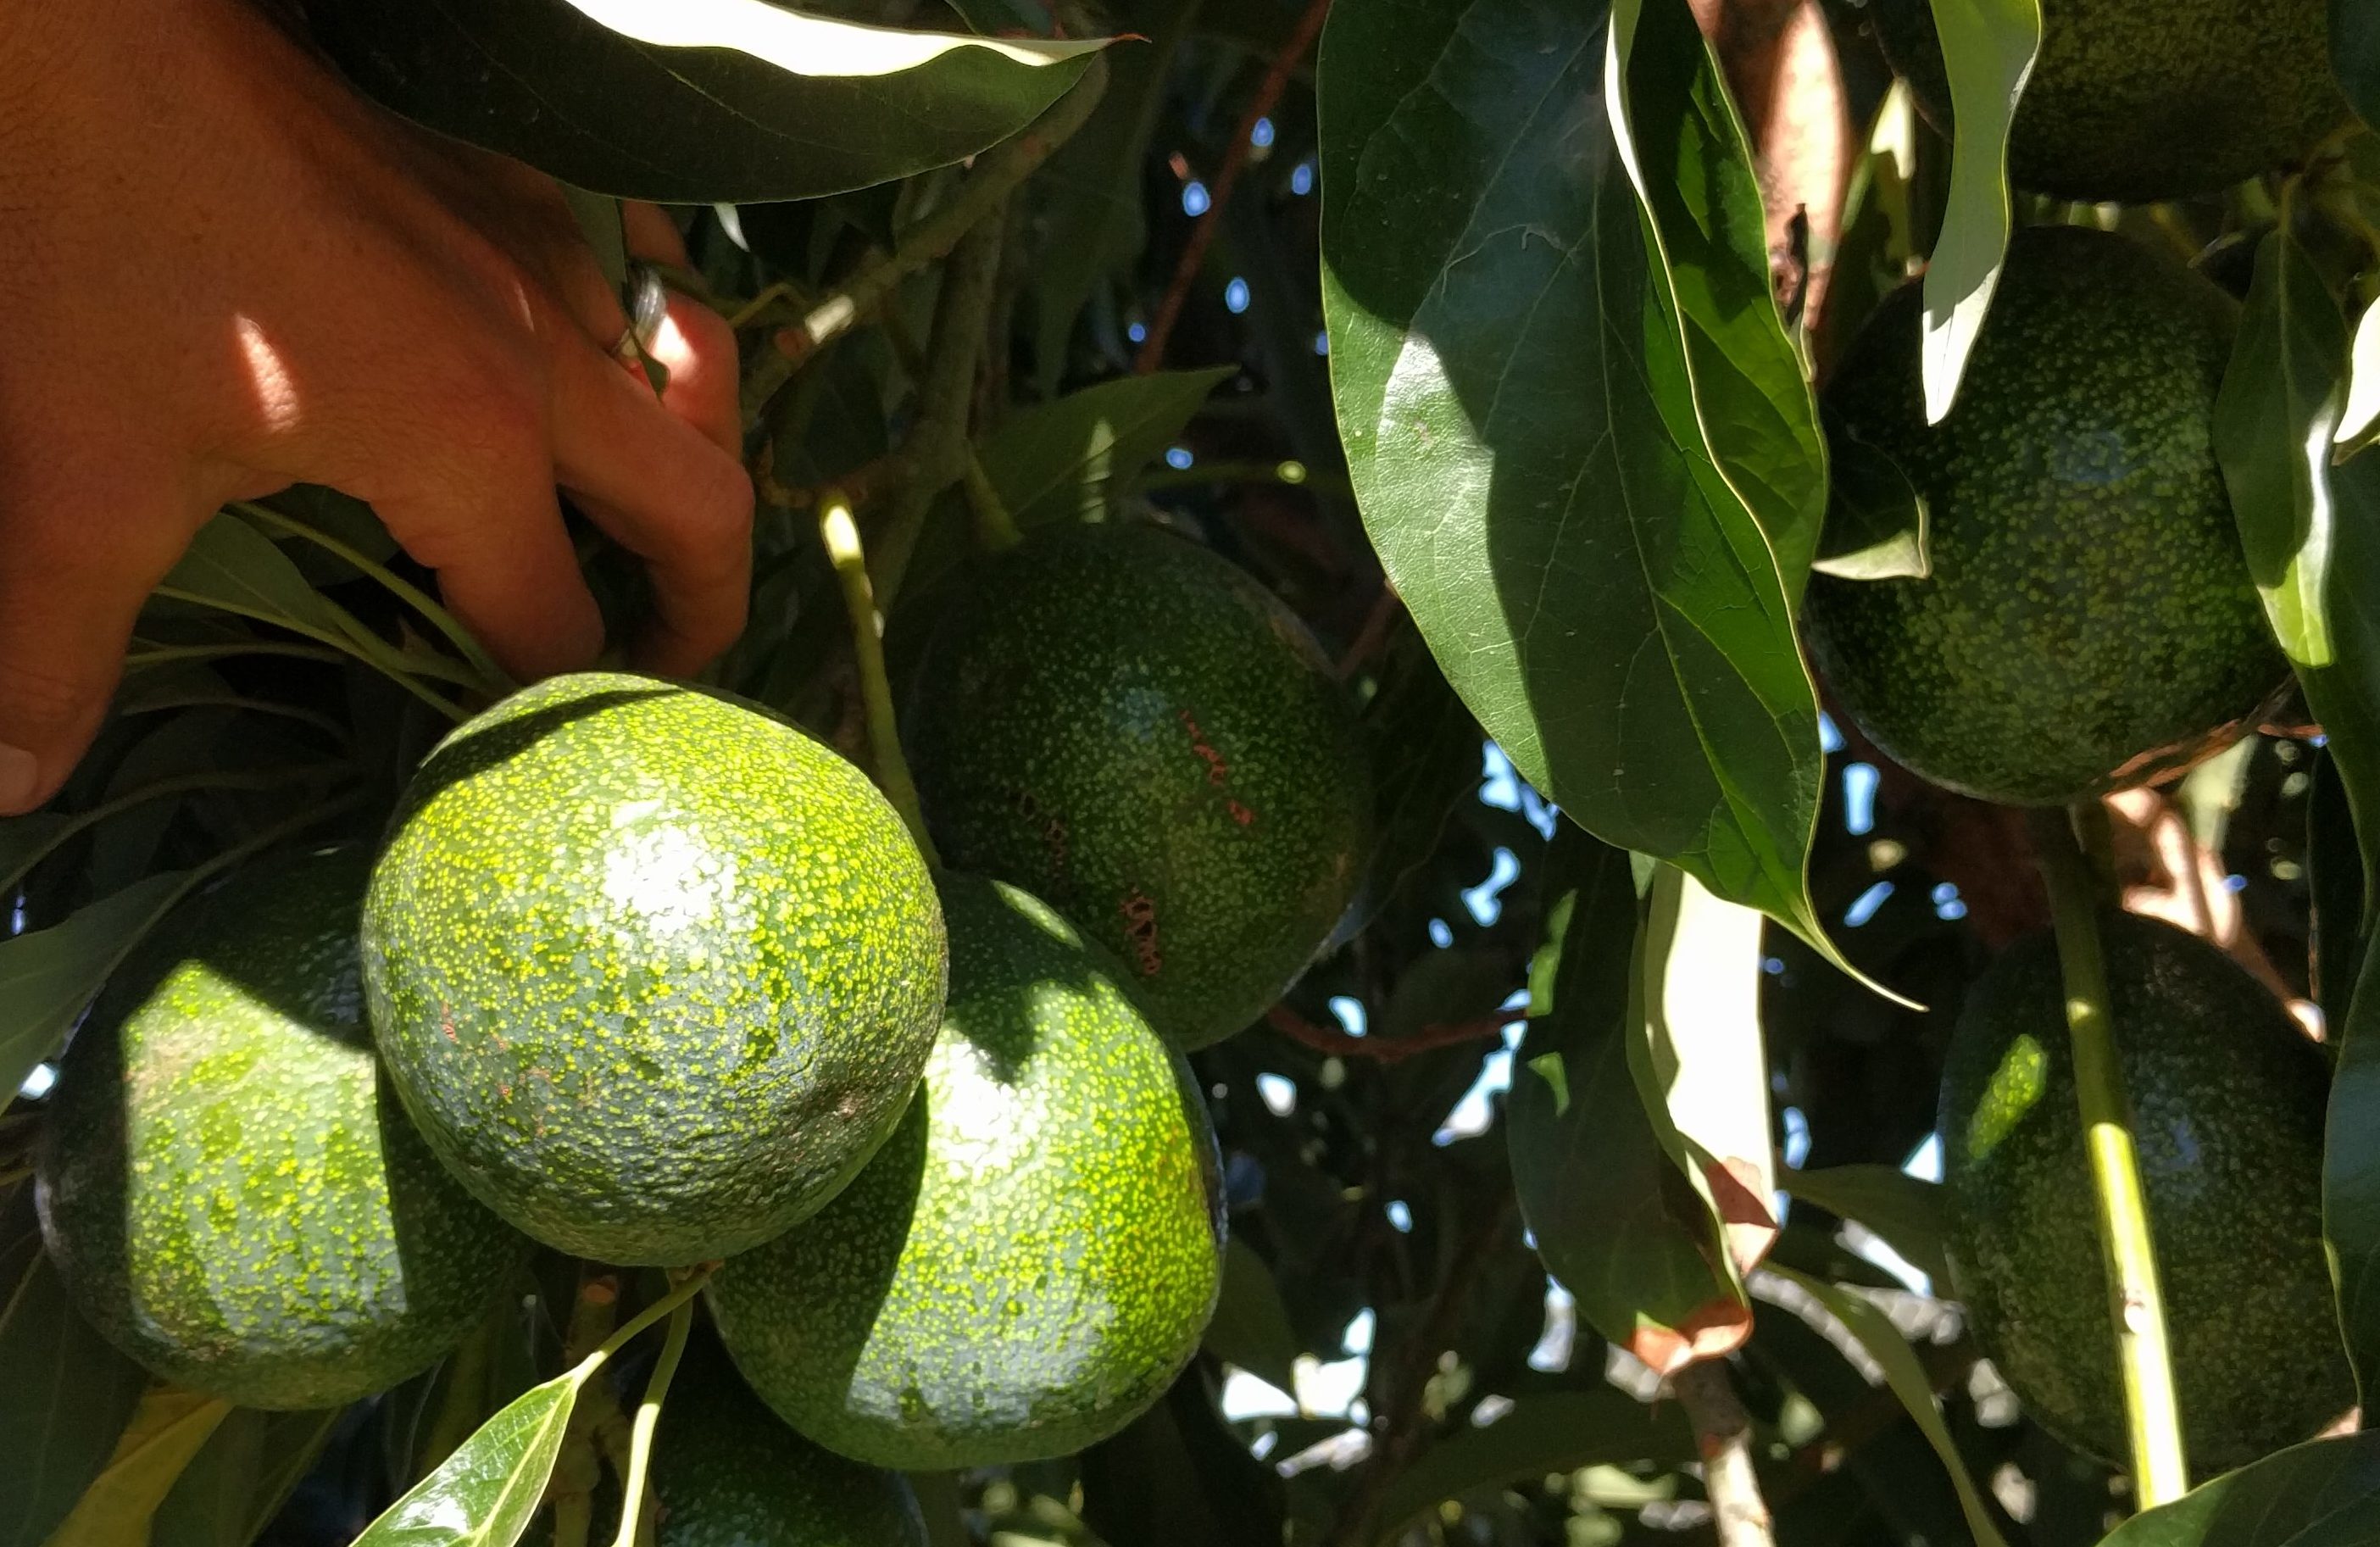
1373	634
1226	178
1723	1435
1389	1050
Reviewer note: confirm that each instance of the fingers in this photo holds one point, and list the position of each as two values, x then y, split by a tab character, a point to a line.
694	344
666	492
78	558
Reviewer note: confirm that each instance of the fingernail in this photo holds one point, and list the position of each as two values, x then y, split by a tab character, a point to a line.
20	780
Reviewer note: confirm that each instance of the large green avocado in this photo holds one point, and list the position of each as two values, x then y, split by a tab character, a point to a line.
2089	621
728	1473
227	1183
1034	1255
2227	1106
2135	101
654	972
1131	729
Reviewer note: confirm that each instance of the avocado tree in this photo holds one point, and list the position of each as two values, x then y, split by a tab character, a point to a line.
1507	771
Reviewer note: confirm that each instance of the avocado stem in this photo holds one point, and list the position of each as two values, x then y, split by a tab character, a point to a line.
843	548
649	1414
2136	1301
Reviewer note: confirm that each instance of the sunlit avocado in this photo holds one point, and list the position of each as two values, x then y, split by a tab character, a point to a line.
228	1187
1032	1258
2089	621
654	972
1133	729
2228	1104
2135	101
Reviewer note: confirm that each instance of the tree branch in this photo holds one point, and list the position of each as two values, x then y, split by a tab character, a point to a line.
1389	1050
1723	1435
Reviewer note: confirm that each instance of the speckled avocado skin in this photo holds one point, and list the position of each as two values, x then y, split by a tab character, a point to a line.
1034	1255
728	1473
2135	101
653	971
2089	622
1133	729
2227	1101
228	1187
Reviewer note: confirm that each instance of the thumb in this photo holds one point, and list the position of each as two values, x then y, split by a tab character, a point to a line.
74	572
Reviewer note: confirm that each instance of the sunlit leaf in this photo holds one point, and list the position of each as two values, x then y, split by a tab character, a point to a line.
1877	527
696	101
1907	1378
1060	461
484	1494
1987	51
2361	418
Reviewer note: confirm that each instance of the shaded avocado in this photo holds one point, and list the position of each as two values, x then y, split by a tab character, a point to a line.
2089	621
2137	101
227	1183
2227	1101
1032	1258
654	972
1133	729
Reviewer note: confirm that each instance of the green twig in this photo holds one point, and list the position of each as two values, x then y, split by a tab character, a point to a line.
381	659
648	1416
143	656
997	173
2153	1419
995	529
493	679
842	537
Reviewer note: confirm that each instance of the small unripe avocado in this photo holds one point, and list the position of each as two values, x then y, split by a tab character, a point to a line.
2228	1102
227	1183
2089	622
728	1473
2136	100
1034	1255
1133	730
654	972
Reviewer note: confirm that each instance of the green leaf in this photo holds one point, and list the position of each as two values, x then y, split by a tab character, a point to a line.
1251	1325
168	1430
2311	528
2355	53
1521	433
1641	1275
1987	50
47	977
1877	529
1905	1211
1907	1378
2335	886
232	565
232	1489
66	1396
1060	461
2361	418
2351	1175
2322	1494
724	101
1542	1433
484	1494
1685	151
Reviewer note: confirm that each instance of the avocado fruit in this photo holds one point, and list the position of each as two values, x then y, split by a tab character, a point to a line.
1034	1255
228	1187
1130	727
2228	1101
2089	621
653	971
2137	101
728	1473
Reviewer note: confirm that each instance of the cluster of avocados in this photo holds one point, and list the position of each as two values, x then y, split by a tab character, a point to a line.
2088	623
645	974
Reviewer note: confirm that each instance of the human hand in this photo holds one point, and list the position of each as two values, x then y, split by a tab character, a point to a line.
230	274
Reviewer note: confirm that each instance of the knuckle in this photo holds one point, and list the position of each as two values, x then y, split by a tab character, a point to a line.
41	701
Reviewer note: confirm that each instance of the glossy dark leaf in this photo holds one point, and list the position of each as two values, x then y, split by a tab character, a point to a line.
67	1395
1877	529
1987	51
1176	1477
695	104
47	977
2323	1493
1551	1432
1251	1327
1521	435
484	1494
1641	1276
1685	149
1904	1211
